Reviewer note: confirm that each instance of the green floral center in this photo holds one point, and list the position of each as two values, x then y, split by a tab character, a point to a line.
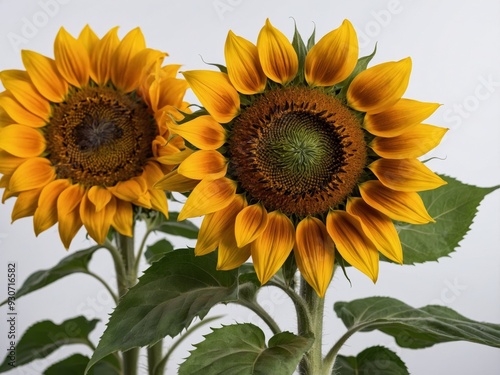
297	150
99	136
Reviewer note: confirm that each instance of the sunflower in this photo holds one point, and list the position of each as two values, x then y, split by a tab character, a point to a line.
305	150
83	136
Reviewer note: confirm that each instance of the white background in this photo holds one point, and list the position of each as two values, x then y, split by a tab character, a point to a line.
456	58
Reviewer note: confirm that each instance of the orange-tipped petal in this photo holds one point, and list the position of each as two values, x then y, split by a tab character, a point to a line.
46	213
272	247
202	164
68	213
398	205
405	175
398	118
415	142
32	174
97	222
277	56
379	87
243	65
18	113
333	58
101	55
203	132
315	253
352	243
123	221
250	223
174	181
208	196
26	204
72	59
378	227
45	76
22	141
215	92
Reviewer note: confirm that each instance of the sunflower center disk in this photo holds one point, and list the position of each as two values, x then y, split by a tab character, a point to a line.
100	136
297	150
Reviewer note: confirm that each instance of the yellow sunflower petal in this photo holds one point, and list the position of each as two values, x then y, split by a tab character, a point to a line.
202	164
398	205
20	86
134	190
9	163
18	113
97	222
405	175
203	132
99	197
174	181
45	76
88	38
243	65
396	119
21	141
123	221
352	243
413	143
378	227
68	213
100	57
230	256
5	119
26	204
214	225
277	56
379	87
272	247
333	58
32	174
250	223
128	48
315	253
138	67
72	59
46	213
208	196
167	92
175	156
215	92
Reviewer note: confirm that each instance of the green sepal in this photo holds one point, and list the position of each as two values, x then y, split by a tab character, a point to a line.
301	50
311	41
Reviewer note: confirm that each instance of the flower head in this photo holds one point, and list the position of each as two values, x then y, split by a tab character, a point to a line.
305	151
84	136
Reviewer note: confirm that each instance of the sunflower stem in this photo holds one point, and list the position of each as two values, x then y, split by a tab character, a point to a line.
154	356
311	324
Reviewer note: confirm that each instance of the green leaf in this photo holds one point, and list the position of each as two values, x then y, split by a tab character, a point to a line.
76	364
240	349
171	293
414	328
178	228
75	262
361	65
454	207
376	360
43	338
156	251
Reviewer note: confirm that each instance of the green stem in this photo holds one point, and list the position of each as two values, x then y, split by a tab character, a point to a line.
154	357
256	308
141	250
105	284
311	324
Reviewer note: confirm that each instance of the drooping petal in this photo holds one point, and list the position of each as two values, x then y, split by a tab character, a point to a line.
22	141
172	156
379	87
396	119
46	213
277	56
230	256
203	132
45	76
215	92
34	173
243	65
128	48
9	163
405	175
415	142
214	225
134	190
204	164
378	227
352	243
68	213
72	59
97	222
250	223
99	197
101	55
18	113
208	196
398	205
333	58
26	204
123	220
19	85
315	253
174	181
272	247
